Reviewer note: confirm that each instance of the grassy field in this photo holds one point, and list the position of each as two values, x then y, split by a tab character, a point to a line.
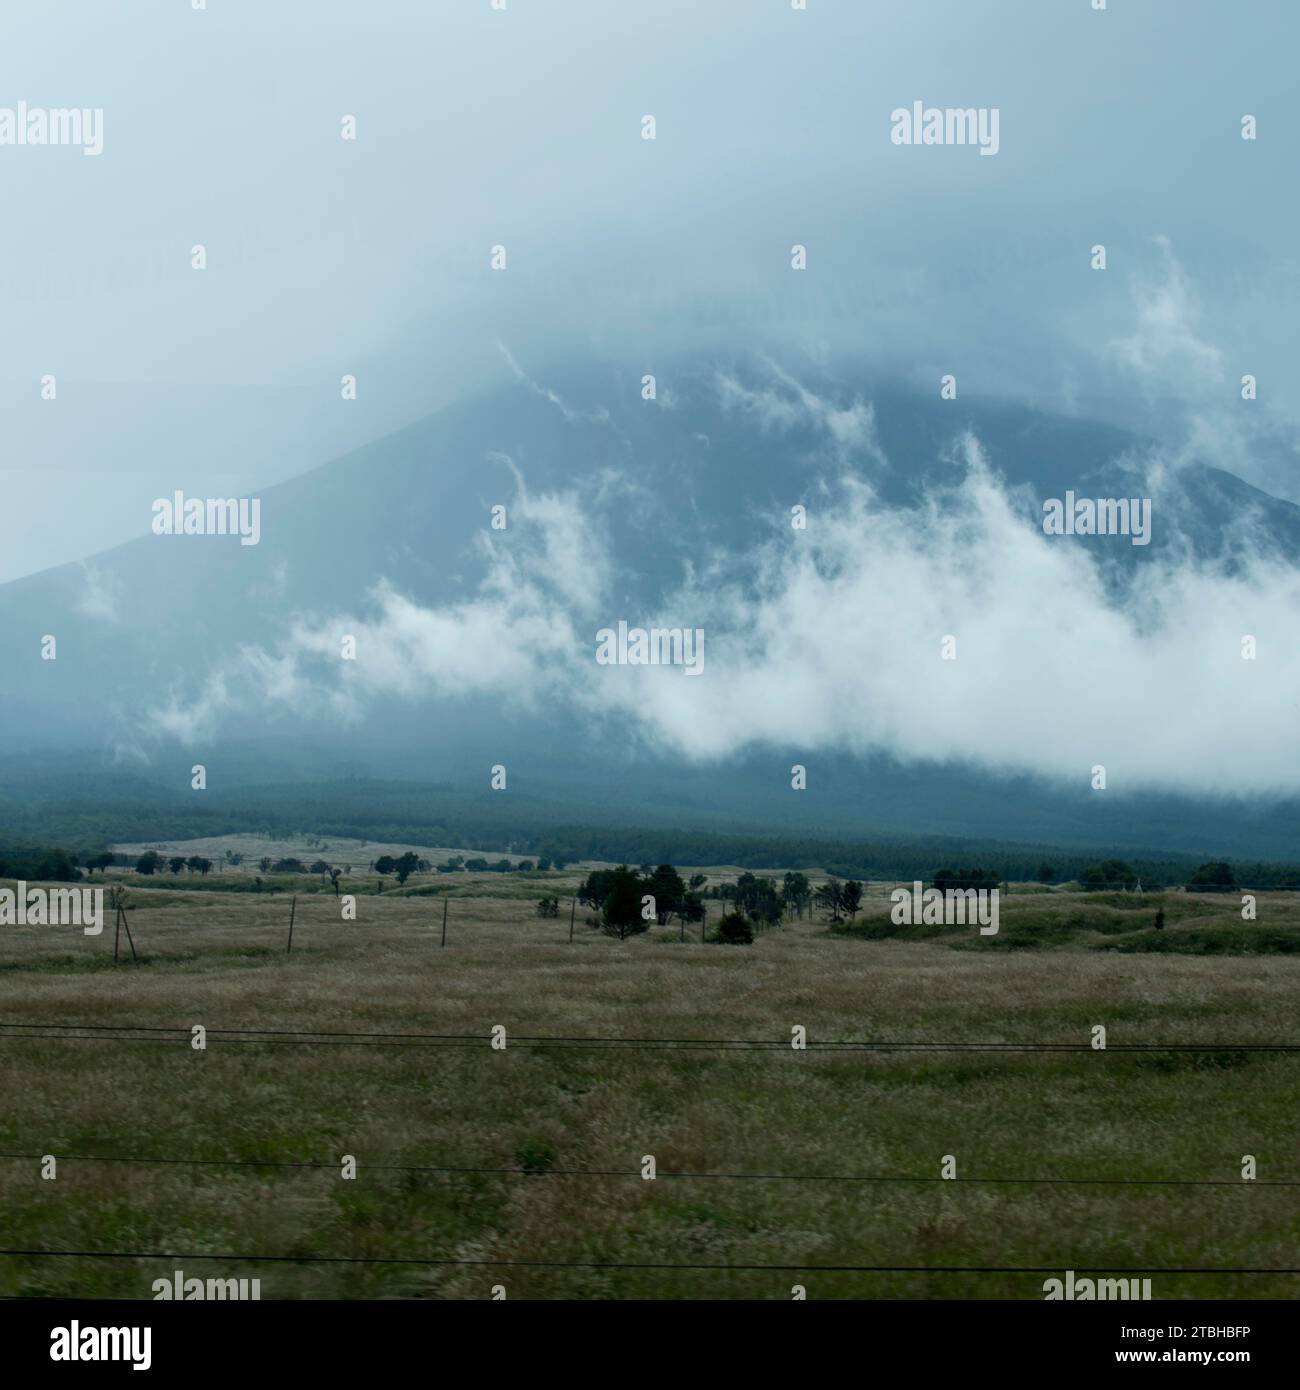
833	1157
251	849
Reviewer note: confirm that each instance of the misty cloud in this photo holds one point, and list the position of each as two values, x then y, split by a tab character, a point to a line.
1166	344
99	596
827	642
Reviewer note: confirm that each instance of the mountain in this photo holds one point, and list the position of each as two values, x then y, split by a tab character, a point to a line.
152	671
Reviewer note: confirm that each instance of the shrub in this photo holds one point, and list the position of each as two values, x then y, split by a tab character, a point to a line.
535	1156
735	929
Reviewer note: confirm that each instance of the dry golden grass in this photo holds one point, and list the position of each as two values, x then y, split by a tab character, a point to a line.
219	959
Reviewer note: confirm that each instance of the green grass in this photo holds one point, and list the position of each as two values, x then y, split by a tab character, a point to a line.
218	959
1194	924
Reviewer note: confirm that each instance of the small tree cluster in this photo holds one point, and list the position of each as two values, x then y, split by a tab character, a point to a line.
756	898
628	900
840	899
403	866
482	866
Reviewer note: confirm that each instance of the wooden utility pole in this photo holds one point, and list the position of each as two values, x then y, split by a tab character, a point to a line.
120	921
293	908
129	940
445	901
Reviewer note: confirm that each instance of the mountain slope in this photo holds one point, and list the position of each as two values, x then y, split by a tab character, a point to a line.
664	489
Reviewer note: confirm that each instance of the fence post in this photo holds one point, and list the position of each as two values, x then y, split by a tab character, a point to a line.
293	908
444	919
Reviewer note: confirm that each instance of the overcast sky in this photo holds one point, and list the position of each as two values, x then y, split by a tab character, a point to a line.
477	127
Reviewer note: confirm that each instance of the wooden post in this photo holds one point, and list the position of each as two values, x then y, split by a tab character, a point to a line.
117	930
573	909
293	908
129	941
445	900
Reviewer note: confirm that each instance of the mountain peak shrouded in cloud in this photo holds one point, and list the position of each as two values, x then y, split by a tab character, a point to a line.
771	379
869	568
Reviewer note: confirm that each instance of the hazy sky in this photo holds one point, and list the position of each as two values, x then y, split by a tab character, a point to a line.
477	127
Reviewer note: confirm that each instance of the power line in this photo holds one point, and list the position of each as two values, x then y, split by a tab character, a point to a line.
646	1264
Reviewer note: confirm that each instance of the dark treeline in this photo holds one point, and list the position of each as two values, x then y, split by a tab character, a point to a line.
92	810
754	895
927	861
42	863
136	811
